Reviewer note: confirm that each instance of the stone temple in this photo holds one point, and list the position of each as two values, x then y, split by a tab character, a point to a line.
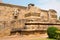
25	20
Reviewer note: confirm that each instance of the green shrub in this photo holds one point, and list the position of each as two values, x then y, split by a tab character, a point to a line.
51	31
58	34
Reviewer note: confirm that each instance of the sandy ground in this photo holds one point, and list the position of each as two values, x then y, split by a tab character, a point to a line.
24	37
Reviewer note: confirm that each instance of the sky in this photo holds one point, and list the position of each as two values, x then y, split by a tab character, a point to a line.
43	4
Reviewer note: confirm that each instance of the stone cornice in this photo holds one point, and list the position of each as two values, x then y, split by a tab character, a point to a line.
11	5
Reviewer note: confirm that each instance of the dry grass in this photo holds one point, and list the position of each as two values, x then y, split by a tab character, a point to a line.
43	39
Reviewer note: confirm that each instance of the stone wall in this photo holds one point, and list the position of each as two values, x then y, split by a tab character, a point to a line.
13	16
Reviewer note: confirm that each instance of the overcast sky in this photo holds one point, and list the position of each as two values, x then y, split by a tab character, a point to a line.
43	4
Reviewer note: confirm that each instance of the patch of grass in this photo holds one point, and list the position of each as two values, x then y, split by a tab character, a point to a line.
44	39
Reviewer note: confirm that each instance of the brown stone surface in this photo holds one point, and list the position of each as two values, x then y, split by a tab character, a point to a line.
18	37
16	17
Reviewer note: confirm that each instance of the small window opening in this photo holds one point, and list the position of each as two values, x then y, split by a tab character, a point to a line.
15	17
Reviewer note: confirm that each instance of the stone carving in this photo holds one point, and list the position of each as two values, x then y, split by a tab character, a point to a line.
16	12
